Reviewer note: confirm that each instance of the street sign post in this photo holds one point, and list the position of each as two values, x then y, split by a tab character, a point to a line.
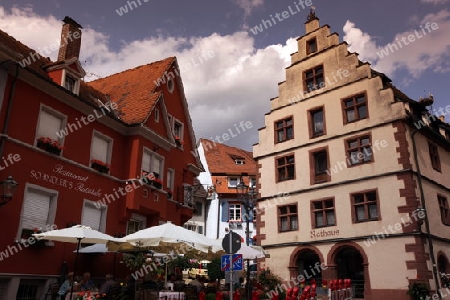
231	243
237	262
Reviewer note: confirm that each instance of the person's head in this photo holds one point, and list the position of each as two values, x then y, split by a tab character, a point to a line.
109	277
70	276
241	279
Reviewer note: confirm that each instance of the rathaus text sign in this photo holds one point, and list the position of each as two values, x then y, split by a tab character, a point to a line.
67	179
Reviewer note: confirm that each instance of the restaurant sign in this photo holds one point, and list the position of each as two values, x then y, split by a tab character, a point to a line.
67	180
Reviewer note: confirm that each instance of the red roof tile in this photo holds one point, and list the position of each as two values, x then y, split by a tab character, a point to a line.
220	159
134	90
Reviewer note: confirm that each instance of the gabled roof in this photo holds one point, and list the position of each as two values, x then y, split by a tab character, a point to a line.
221	159
17	51
135	88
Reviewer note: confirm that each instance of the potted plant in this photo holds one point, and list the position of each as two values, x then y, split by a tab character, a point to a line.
445	280
49	145
152	178
418	290
27	233
178	141
100	166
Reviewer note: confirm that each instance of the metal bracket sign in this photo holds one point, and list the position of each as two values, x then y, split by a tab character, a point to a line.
237	262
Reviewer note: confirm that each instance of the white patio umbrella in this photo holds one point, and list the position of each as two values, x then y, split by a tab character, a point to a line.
75	234
248	252
166	237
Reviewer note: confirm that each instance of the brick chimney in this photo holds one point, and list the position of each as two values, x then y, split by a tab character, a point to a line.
70	40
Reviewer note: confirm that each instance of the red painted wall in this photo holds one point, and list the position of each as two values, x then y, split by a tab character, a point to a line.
125	163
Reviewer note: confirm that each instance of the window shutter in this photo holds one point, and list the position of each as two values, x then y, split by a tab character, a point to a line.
146	158
157	166
49	125
36	209
91	217
100	149
225	213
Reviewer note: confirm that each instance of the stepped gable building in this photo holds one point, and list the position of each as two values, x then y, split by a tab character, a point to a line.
366	170
80	152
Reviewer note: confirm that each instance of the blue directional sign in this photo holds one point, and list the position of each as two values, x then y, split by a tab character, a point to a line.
237	262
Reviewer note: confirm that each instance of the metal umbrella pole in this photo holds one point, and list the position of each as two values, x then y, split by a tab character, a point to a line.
75	267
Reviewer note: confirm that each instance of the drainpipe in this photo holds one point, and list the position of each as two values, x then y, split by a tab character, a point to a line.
8	109
219	217
427	223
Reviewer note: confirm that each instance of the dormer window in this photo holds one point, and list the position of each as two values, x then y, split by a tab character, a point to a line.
239	161
69	83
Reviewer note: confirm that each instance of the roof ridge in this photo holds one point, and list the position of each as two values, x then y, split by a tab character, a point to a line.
20	44
134	68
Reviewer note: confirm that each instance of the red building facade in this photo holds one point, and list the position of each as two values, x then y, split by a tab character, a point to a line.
79	152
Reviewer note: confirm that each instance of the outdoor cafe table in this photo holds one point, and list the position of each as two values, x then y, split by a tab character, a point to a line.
172	295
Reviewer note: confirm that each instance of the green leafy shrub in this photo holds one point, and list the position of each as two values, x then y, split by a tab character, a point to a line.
418	291
214	270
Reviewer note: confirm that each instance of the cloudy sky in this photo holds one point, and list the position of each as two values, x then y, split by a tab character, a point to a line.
236	83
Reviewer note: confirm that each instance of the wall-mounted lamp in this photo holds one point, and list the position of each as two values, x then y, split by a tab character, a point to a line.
8	187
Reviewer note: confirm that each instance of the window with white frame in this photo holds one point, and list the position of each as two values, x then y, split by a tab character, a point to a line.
152	162
71	83
235	212
101	148
198	209
191	227
170	179
233	182
50	124
178	129
137	222
39	208
93	217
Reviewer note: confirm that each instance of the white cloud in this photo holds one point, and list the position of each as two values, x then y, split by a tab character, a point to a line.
248	5
233	86
435	2
429	50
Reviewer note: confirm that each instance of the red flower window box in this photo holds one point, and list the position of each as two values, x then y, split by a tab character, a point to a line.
49	145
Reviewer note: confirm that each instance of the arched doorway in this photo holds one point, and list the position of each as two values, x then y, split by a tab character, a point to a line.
309	260
443	269
442	263
350	262
308	264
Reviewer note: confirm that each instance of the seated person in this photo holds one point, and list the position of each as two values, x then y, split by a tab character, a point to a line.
86	283
197	284
170	285
104	289
178	283
65	288
212	283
